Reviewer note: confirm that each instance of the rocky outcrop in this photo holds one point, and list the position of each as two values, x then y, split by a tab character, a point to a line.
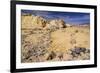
55	24
31	22
80	53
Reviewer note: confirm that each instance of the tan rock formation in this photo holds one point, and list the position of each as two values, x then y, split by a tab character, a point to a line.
55	24
31	22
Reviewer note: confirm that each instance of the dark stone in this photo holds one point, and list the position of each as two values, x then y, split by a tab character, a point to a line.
51	56
75	52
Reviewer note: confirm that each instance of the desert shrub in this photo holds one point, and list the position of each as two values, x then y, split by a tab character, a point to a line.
76	31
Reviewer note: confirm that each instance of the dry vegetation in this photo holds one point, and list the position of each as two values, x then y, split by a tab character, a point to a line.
53	40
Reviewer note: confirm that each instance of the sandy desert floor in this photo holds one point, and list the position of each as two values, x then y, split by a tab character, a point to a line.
58	44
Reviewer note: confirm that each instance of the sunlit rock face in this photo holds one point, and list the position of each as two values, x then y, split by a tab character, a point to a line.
55	24
31	22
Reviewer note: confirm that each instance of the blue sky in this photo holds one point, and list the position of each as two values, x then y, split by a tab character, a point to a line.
68	17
